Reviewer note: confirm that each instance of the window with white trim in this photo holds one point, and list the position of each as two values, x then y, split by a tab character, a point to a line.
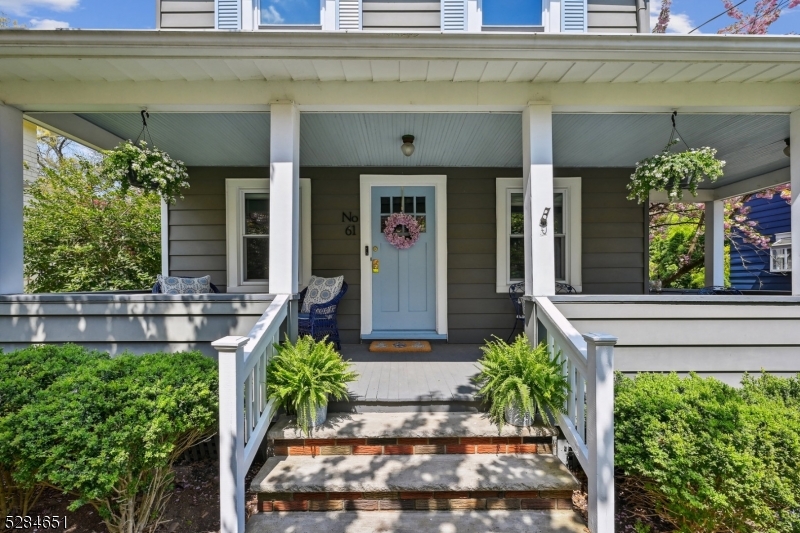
565	220
780	253
247	230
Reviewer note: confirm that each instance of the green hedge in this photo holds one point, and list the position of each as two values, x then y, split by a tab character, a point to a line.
23	374
710	457
107	431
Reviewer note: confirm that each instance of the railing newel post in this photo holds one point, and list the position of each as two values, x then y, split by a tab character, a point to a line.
231	433
600	430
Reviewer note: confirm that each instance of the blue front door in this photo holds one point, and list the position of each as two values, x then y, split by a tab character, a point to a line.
404	288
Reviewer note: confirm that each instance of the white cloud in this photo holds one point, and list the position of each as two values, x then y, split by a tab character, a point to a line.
21	8
678	22
47	24
270	16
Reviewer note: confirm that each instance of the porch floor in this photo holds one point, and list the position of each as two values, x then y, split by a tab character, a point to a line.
440	375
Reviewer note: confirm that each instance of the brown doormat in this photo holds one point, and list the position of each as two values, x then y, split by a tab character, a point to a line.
400	346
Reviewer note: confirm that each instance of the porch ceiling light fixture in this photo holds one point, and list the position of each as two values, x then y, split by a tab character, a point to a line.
788	150
408	145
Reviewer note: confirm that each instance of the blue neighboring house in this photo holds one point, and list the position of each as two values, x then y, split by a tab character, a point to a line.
750	266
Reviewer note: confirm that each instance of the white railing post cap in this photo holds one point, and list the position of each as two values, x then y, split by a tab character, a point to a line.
230	344
602	339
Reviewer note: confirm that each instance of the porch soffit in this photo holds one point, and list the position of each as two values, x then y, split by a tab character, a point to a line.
752	145
151	56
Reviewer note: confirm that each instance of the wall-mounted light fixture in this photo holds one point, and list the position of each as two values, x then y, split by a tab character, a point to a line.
788	150
543	220
408	145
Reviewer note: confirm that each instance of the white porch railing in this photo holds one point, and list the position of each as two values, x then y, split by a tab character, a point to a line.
589	420
244	412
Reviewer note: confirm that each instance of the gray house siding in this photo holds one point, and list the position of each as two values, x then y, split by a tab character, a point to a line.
185	14
614	244
401	15
612	16
613	238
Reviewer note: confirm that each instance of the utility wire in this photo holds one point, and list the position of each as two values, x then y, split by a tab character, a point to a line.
718	16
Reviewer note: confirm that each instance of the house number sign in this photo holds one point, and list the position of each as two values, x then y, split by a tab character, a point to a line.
350	219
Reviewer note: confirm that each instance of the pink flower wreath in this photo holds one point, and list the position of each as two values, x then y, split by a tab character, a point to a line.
398	240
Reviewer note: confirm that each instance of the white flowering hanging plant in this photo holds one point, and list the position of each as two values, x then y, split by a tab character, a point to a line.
674	171
148	168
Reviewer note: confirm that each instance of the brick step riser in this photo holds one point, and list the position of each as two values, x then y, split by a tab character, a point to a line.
413	446
415	501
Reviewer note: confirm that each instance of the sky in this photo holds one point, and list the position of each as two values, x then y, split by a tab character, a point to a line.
140	14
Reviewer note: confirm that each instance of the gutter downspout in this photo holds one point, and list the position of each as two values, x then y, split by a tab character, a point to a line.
642	17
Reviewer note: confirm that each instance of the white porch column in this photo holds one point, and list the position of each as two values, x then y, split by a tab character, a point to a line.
715	244
794	134
11	258
284	198
537	168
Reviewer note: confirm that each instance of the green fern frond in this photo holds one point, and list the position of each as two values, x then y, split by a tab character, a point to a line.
302	376
521	376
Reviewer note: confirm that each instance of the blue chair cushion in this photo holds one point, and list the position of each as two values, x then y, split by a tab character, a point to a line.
321	291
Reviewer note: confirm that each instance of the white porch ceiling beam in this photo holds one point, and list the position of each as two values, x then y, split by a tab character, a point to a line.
76	128
396	96
747	186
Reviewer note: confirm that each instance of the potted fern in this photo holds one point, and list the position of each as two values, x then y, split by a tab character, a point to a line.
302	375
517	380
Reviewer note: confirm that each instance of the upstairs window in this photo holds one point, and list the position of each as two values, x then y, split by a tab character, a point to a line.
780	253
289	13
512	12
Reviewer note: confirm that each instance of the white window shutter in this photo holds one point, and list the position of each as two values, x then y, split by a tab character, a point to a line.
573	16
229	15
349	14
454	15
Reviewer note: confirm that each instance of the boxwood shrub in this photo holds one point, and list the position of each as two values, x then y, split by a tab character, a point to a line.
23	373
710	457
108	432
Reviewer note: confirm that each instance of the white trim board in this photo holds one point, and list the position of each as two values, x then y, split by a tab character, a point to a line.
164	238
573	229
234	189
439	183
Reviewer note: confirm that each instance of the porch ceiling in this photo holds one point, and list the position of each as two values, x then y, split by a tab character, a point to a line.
751	144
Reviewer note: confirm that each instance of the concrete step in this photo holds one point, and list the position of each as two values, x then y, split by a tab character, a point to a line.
414	482
404	425
419	522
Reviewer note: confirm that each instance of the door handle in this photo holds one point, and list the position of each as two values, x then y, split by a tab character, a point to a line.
376	266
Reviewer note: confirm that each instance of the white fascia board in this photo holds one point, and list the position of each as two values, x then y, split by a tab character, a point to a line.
76	128
754	184
366	45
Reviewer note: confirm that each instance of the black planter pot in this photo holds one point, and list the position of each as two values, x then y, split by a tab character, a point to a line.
133	179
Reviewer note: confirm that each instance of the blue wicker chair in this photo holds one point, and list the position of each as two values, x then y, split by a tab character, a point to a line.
320	321
157	288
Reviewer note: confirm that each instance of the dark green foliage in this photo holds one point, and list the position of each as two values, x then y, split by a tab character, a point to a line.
710	457
522	376
23	374
301	377
84	233
109	431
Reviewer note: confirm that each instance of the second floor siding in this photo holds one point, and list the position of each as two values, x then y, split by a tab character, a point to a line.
407	16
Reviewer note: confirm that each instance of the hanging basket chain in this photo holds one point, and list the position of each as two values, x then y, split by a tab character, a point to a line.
145	134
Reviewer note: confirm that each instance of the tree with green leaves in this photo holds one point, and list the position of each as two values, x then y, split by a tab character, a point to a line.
82	232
